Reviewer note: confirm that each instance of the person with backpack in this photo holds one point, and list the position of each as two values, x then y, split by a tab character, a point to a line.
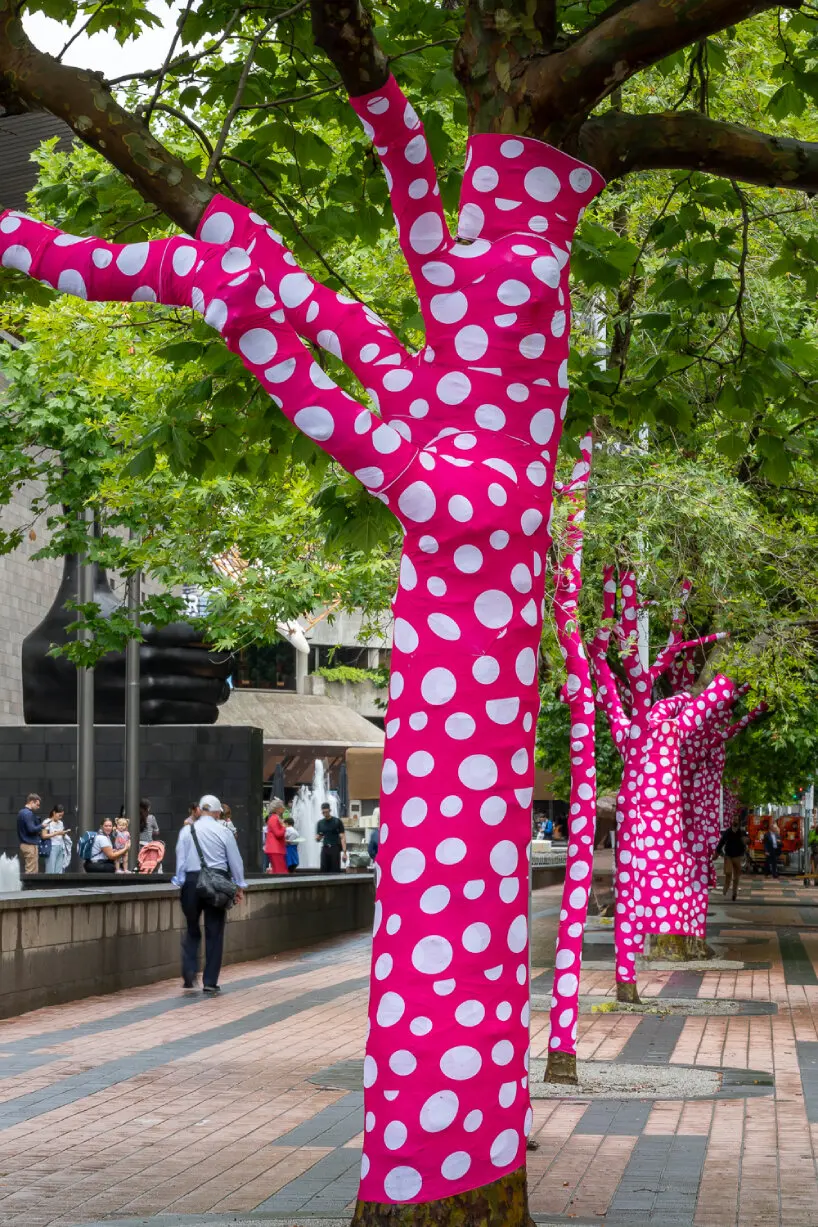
96	849
210	875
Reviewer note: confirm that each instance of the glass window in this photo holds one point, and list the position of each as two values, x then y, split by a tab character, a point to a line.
267	666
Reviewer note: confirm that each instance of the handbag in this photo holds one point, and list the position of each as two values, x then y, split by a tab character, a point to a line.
215	887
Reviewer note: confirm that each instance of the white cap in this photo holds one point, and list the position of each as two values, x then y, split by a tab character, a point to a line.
210	803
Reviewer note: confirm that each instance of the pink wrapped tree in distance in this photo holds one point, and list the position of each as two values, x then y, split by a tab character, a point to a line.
578	695
463	451
654	873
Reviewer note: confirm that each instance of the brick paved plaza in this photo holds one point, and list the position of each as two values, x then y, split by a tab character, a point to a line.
147	1107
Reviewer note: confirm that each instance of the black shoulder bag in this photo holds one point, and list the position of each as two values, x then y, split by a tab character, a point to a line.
215	887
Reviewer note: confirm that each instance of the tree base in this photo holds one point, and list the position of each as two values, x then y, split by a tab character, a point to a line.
679	948
628	992
561	1067
504	1203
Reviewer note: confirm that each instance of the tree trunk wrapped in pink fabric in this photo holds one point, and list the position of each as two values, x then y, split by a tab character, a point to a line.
464	454
578	694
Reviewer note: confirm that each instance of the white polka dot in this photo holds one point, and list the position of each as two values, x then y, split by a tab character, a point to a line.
183	259
259	346
508	1093
468	559
426	233
449	308
478	771
385	440
396	381
438	273
453	388
567	984
414	811
504	1148
417	502
490	417
438	686
530	521
547	270
419	408
432	955
408	865
69	280
420	763
460	508
485	179
474	889
418	189
461	1063
486	670
460	726
383	967
502	1052
439	1111
217	228
420	1025
389	775
518	934
18	257
450	851
415	151
102	257
370	1071
435	899
470	1013
504	857
405	636
472	342
493	811
519	762
456	1165
503	711
509	889
511	148
580	179
503	1011
499	540
476	937
281	372
9	224
443	626
394	1135
390	1009
471	221
493	608
450	806
402	1184
533	346
133	258
542	184
473	1121
328	340
513	293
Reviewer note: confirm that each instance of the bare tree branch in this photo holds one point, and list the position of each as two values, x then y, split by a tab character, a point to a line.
343	29
618	143
39	82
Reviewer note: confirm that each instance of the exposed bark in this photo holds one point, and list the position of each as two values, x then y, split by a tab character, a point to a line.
37	81
563	88
679	948
561	1067
617	144
505	1202
627	991
343	29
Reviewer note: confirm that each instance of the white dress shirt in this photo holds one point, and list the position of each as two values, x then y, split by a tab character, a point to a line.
219	849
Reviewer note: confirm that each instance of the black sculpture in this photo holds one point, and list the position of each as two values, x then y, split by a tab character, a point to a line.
182	681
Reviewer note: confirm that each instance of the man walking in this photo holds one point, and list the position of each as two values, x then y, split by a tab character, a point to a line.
733	845
28	833
219	851
330	832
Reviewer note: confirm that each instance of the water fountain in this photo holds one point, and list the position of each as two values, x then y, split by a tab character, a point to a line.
306	812
9	875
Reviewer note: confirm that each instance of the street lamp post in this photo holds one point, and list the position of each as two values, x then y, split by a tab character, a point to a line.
132	718
85	694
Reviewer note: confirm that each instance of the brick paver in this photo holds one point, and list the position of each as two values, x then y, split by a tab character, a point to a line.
149	1107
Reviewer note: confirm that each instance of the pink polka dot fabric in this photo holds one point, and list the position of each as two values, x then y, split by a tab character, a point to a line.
463	451
579	696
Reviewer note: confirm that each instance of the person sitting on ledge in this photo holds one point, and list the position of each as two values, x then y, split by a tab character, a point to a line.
103	857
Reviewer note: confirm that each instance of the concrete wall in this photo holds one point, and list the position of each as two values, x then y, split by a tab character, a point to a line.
60	946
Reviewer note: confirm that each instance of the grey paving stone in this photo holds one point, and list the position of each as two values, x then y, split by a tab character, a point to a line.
653	1041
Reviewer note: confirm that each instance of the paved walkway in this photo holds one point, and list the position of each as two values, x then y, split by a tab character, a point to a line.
150	1108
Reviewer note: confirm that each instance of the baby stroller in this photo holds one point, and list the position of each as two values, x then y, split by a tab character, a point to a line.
150	857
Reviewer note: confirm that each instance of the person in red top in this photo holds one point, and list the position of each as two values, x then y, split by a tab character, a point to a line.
274	844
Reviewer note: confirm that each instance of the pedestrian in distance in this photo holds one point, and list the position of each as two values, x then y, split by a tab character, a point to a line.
29	833
148	825
772	847
206	843
96	849
734	846
291	839
59	843
374	844
330	833
227	818
275	838
812	844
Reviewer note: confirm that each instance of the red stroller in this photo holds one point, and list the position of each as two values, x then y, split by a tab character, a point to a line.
150	857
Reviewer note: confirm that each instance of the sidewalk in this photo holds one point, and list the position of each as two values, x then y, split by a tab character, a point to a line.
157	1110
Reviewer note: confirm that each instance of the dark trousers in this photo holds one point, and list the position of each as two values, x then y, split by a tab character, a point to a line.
214	922
772	863
330	859
105	866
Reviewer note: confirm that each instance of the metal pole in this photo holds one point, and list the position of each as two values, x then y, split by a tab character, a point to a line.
85	699
132	718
